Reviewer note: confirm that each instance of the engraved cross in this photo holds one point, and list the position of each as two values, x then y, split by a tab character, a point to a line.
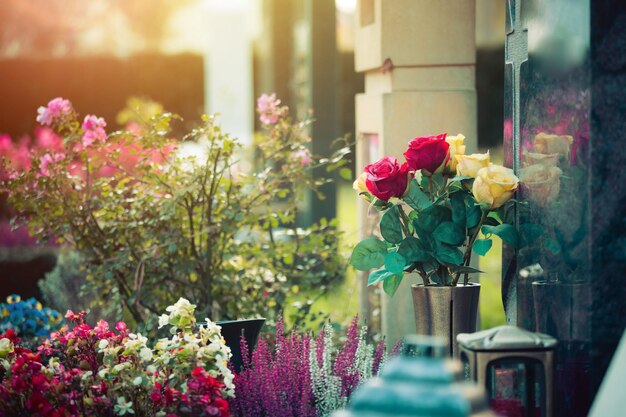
516	53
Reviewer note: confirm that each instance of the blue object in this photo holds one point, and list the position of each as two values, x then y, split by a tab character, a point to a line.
422	382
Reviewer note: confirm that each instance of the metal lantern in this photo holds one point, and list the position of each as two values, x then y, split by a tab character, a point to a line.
422	382
516	366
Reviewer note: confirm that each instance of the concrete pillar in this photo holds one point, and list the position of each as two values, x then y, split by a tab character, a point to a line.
228	67
418	57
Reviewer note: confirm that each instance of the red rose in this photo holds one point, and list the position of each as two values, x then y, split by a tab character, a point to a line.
427	152
386	178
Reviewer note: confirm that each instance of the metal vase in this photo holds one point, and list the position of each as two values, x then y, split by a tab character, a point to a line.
446	311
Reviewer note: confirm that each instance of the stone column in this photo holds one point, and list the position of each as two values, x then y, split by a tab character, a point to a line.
418	57
228	67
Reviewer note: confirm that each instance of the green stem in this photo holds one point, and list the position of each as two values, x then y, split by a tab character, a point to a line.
405	222
468	251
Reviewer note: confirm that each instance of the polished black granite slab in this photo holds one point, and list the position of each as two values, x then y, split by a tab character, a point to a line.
565	118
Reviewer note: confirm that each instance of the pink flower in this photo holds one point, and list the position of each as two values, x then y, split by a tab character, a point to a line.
268	109
45	161
120	326
101	327
47	139
57	108
93	128
303	155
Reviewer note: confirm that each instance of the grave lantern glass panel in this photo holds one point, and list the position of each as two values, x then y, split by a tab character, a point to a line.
515	365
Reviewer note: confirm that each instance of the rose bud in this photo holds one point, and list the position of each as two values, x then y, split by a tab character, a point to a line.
360	183
457	148
469	165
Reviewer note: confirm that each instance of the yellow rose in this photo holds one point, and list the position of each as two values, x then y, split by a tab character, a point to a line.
540	183
494	185
359	183
457	147
469	165
552	144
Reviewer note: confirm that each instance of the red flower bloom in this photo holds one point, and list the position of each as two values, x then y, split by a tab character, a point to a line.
427	152
386	178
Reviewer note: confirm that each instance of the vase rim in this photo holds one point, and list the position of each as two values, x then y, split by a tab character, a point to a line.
559	282
460	285
221	322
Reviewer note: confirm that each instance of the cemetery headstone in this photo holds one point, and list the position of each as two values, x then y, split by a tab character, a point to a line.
565	77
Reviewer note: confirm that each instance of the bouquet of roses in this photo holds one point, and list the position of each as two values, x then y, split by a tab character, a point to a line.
434	207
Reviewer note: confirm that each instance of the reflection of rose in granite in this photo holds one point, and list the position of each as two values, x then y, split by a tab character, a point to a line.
548	144
541	183
533	158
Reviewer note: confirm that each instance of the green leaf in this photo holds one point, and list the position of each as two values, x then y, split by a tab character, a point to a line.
390	225
473	212
465	269
413	250
506	232
450	233
391	284
439	181
379	275
369	253
346	174
428	220
460	178
415	197
491	221
457	203
171	248
395	263
448	255
482	246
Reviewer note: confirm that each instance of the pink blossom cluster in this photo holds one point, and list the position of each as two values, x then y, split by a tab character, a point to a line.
56	110
47	160
269	109
303	156
18	155
93	130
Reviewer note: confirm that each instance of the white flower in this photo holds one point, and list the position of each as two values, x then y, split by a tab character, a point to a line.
137	381
6	347
145	354
163	320
123	407
103	344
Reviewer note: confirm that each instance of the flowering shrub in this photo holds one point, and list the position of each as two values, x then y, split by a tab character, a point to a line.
304	377
82	371
434	207
28	318
153	220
